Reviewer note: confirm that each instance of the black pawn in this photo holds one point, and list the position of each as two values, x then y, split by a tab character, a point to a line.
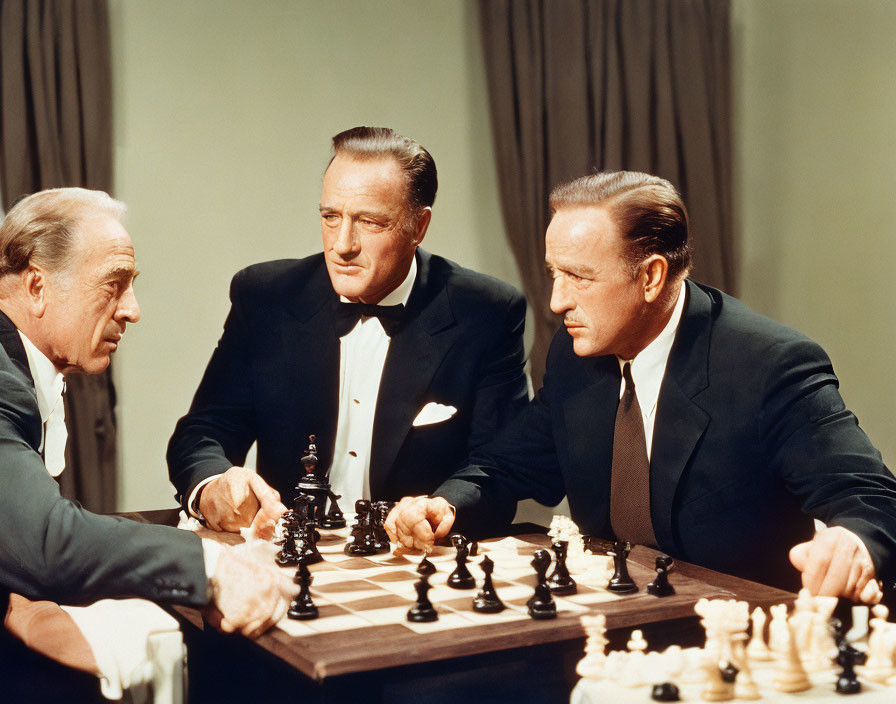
289	552
728	673
461	577
487	601
422	611
665	692
847	657
302	608
561	582
621	582
541	604
660	585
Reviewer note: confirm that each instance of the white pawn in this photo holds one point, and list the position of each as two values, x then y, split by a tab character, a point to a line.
879	665
757	649
778	632
744	684
633	674
790	675
593	665
715	689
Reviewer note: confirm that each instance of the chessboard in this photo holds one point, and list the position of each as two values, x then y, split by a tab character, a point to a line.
363	604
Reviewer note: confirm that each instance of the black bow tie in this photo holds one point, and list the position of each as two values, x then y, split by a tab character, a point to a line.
348	314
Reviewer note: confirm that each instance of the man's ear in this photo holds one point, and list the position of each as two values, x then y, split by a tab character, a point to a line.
653	276
423	219
34	286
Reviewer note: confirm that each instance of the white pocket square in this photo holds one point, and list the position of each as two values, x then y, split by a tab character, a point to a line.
433	413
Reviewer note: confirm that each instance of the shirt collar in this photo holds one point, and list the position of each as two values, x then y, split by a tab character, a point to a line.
48	382
649	366
400	294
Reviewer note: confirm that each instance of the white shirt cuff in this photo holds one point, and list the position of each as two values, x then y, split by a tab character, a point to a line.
211	551
193	504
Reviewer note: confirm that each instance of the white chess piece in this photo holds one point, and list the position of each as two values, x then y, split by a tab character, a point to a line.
859	630
593	665
633	671
757	649
790	675
778	633
879	665
744	685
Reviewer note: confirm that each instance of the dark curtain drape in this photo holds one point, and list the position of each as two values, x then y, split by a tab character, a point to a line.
55	130
582	85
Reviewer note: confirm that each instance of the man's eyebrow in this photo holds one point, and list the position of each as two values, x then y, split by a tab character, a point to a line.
122	272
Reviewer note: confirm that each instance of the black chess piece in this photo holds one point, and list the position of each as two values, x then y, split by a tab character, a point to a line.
378	512
665	692
302	608
847	657
660	585
422	611
363	532
728	673
621	582
561	582
461	577
307	543
488	601
289	551
541	604
334	517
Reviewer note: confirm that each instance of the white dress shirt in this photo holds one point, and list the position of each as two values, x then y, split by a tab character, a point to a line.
649	367
362	358
48	387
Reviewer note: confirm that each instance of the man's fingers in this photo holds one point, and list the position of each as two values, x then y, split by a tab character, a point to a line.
799	555
872	593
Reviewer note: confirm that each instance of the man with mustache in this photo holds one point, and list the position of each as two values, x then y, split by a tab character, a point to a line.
67	270
673	416
400	362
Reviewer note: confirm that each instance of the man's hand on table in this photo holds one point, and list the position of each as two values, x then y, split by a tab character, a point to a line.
247	595
240	498
418	521
836	563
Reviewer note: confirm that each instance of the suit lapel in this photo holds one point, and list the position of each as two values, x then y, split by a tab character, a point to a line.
312	370
12	343
415	353
680	422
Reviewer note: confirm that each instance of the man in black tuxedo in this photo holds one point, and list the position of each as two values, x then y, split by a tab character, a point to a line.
673	416
399	361
66	295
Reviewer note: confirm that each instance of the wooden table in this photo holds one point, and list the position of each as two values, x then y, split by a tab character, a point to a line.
533	659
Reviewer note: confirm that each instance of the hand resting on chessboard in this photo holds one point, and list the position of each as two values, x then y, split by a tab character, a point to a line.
247	595
418	521
240	498
836	563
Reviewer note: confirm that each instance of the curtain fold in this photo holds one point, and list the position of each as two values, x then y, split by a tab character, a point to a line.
55	130
582	85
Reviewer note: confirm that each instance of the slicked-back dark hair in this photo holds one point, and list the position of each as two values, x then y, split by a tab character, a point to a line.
415	162
647	210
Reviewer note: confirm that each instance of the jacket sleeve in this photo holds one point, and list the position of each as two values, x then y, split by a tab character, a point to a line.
219	428
51	548
520	463
501	389
815	445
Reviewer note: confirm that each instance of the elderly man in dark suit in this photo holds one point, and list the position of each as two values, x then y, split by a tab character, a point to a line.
399	361
66	296
673	416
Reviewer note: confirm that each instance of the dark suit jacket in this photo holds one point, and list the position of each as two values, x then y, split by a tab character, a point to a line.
274	378
751	439
50	547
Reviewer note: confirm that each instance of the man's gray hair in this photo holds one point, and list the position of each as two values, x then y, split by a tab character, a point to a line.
40	228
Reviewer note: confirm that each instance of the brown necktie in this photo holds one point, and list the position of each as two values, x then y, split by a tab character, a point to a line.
630	476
